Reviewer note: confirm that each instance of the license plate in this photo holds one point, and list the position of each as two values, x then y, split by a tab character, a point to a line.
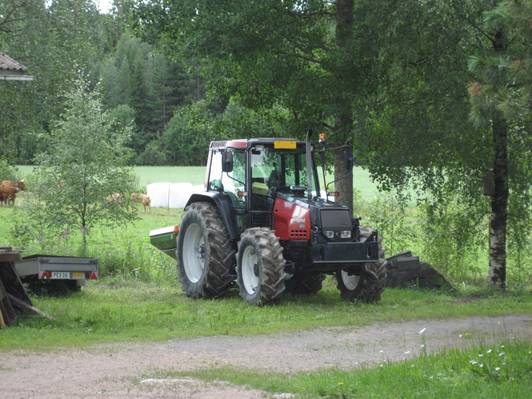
61	275
78	275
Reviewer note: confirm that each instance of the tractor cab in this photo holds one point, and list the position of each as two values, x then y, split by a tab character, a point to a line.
261	219
254	173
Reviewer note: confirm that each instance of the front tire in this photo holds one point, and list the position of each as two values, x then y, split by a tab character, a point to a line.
206	253
366	287
260	267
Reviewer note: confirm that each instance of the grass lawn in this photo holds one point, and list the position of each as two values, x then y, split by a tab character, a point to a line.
115	310
496	371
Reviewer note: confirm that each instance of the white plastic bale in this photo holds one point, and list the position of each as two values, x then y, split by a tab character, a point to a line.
179	194
169	195
158	193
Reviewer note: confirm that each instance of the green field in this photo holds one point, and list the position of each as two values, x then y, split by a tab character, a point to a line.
195	175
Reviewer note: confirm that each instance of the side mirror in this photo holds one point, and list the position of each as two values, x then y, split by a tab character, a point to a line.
227	161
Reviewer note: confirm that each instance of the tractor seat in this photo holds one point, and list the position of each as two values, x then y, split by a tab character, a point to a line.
259	188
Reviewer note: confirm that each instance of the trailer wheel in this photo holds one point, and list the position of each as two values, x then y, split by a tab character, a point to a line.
206	253
305	284
260	267
73	285
52	287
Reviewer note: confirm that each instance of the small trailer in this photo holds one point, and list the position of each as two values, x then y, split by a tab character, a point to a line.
56	273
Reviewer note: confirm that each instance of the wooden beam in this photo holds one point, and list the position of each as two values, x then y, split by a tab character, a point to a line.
21	304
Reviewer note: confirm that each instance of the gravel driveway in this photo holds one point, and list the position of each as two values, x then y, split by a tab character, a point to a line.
131	370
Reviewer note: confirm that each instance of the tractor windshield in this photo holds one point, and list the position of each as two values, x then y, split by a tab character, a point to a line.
278	170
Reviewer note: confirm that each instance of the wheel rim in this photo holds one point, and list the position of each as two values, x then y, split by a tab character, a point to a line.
350	281
194	252
250	270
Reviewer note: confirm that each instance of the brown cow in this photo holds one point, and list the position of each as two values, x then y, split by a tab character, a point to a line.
141	199
146	201
135	197
9	190
114	198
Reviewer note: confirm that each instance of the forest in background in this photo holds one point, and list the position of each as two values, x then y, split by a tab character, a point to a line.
162	98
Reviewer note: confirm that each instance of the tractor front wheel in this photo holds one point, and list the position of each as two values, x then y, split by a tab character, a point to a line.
365	287
260	267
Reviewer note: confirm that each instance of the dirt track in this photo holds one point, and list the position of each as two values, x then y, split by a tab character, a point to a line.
132	370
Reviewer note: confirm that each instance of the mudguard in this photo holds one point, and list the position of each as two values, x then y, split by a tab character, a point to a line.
223	205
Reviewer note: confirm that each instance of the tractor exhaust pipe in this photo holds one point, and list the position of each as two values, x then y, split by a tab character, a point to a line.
308	159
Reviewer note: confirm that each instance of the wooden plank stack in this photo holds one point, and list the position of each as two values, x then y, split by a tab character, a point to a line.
14	302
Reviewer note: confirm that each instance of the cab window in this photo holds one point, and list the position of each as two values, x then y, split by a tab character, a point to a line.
232	183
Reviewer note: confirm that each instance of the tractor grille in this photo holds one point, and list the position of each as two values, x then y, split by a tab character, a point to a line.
335	219
298	234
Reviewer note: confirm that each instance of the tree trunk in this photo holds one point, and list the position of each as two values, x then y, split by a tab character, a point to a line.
343	171
499	198
344	114
499	204
83	241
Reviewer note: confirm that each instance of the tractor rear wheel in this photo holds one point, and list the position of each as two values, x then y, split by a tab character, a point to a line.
366	287
305	284
206	253
260	266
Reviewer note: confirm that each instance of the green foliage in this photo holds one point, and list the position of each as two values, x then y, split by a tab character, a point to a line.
451	237
268	53
7	172
502	76
151	86
82	172
188	134
186	139
390	215
34	228
55	40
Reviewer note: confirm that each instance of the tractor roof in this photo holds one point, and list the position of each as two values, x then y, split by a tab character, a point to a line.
246	143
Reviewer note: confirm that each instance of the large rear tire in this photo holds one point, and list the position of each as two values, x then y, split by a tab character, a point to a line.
206	253
260	267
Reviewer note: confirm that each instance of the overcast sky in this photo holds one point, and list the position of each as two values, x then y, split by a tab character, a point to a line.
104	5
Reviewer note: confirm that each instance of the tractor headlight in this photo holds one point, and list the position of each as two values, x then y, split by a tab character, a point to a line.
329	234
345	234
